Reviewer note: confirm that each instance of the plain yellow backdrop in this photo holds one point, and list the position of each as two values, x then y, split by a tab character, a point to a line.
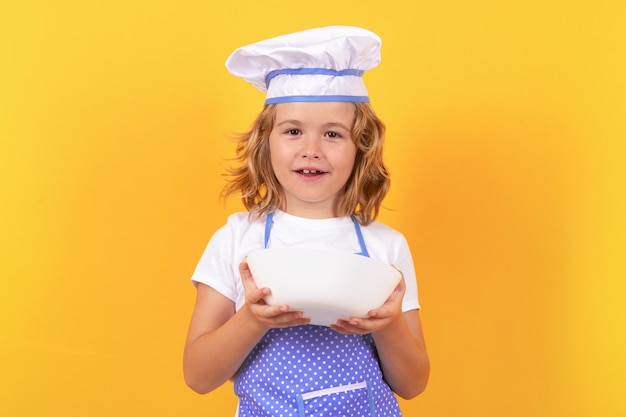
506	128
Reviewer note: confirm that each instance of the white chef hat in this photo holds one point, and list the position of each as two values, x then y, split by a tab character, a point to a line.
321	64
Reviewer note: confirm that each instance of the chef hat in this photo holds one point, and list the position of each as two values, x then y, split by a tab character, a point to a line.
321	64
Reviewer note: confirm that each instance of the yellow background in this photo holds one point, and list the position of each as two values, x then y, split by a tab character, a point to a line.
506	127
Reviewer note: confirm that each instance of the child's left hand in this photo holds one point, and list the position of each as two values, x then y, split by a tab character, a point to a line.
378	318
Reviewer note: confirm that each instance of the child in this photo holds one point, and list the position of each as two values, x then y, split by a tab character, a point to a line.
311	176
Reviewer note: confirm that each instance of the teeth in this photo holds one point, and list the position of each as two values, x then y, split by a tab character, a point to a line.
309	171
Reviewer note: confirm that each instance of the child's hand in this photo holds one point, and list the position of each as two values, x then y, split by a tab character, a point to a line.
378	318
265	315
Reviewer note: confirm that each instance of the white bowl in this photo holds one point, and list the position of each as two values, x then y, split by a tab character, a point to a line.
326	285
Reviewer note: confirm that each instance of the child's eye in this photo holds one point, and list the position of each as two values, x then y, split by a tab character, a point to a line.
293	131
332	134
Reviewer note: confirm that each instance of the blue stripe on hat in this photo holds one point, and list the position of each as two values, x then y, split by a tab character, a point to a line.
317	99
312	71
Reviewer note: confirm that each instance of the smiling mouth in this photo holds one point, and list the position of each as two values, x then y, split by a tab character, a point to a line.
310	172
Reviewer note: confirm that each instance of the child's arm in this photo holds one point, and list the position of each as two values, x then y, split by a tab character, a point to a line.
219	339
399	341
403	355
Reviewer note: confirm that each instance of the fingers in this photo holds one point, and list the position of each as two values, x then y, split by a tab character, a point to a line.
277	316
358	326
254	295
392	306
378	318
401	287
270	316
246	275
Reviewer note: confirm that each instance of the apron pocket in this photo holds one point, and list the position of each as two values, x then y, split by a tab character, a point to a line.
354	400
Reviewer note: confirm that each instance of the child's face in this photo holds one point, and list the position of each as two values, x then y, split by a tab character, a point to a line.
312	154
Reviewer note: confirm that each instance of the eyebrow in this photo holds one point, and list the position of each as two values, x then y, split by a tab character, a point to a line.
298	122
289	121
337	124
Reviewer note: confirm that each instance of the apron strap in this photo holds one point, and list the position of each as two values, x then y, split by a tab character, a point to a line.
268	227
269	222
359	235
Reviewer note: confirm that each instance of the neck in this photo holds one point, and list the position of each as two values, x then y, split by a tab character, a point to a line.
310	211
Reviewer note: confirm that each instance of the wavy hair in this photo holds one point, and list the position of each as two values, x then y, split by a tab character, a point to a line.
253	179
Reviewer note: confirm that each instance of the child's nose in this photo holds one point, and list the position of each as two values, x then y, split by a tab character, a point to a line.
310	148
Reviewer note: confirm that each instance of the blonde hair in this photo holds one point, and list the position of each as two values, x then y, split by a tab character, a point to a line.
254	181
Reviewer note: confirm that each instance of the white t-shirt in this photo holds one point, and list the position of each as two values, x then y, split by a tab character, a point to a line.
219	264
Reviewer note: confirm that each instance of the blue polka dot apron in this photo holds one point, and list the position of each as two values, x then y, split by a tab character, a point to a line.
313	371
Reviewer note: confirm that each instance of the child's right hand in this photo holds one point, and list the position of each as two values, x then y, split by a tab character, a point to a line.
266	315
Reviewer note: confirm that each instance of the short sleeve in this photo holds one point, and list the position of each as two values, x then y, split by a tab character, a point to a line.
215	267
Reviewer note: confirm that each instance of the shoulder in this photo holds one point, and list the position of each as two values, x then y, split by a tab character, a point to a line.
218	265
237	227
241	222
390	246
378	230
241	234
386	243
238	219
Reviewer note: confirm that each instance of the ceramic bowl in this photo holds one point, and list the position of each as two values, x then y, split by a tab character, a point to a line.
326	285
